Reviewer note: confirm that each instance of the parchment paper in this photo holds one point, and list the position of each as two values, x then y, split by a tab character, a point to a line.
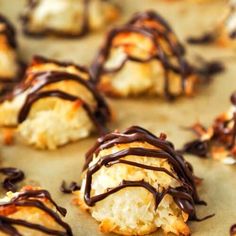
49	168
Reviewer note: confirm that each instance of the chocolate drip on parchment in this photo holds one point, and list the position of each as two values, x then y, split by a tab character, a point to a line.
196	147
33	198
162	31
73	186
26	18
205	38
185	195
13	176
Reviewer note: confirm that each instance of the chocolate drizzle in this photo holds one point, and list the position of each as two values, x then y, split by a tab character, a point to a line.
209	69
39	80
206	38
73	186
33	198
152	26
221	134
14	176
196	147
26	18
185	196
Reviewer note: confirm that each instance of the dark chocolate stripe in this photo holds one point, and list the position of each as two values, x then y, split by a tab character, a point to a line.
205	38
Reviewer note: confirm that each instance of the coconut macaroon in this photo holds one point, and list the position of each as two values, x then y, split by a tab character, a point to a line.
224	32
10	67
135	183
67	17
56	103
32	212
217	141
143	56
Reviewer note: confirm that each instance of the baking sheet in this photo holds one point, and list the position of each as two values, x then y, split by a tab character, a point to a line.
49	168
